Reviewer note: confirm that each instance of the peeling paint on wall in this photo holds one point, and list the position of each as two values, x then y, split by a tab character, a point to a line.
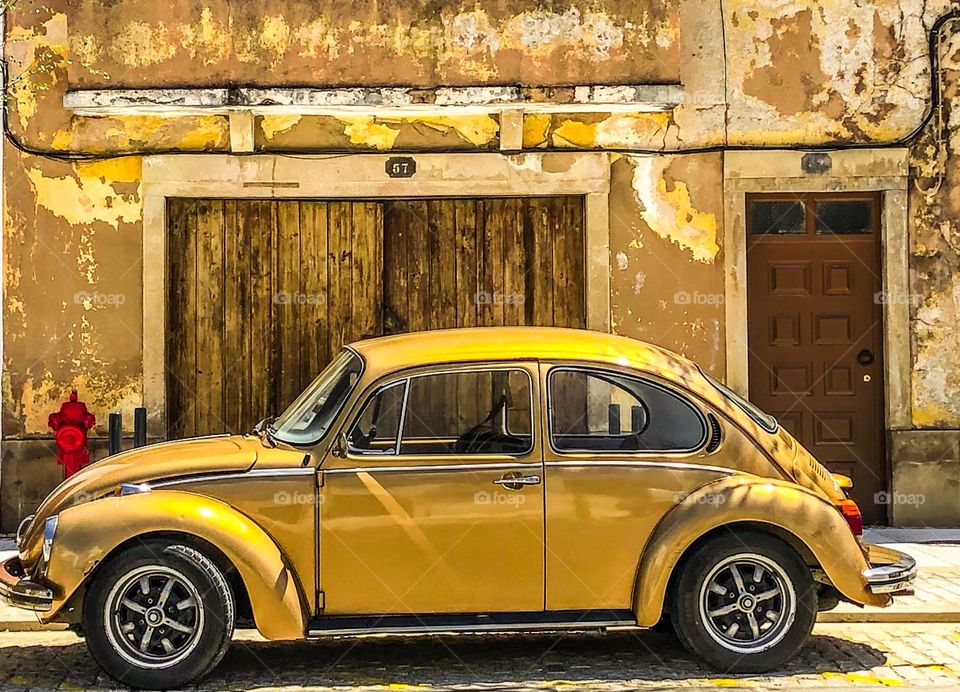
669	212
822	71
363	129
936	375
86	198
271	125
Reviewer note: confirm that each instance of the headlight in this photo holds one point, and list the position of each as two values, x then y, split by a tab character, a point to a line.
49	530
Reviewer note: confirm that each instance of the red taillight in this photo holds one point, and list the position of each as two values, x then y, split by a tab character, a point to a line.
850	512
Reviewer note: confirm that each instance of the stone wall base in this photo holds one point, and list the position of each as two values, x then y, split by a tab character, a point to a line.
926	478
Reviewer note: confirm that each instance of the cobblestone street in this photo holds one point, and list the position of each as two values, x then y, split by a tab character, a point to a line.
839	655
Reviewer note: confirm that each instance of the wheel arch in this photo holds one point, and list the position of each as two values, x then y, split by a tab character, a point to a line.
241	597
785	510
790	539
91	534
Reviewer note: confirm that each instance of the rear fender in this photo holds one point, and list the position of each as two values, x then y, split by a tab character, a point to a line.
812	520
87	533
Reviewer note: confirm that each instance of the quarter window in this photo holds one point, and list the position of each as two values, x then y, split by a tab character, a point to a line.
377	429
594	411
469	412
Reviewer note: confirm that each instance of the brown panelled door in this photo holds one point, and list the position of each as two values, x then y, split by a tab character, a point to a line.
262	293
815	332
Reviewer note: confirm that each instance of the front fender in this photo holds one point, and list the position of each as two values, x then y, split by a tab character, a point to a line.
88	532
782	504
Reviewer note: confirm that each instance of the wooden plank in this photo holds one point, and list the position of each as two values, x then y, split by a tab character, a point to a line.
210	317
513	290
539	233
340	272
366	304
236	350
418	280
465	211
179	332
568	262
446	293
490	265
290	302
258	217
313	336
396	305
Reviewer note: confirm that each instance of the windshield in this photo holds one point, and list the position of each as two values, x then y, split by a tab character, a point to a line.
308	418
764	420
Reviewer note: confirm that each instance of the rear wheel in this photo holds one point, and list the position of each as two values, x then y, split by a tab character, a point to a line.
158	615
744	603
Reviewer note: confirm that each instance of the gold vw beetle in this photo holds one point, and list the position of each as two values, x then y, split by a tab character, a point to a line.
464	480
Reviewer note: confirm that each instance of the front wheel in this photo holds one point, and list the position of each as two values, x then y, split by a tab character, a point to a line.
744	602
158	615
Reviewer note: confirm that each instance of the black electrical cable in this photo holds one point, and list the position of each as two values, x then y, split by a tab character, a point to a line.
935	102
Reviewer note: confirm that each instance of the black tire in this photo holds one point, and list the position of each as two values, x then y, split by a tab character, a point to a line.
706	590
193	627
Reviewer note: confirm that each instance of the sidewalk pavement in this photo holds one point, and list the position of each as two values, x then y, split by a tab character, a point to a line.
936	596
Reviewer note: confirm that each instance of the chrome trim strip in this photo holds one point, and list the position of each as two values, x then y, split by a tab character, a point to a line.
589	625
403	417
438	467
254	473
291	471
674	465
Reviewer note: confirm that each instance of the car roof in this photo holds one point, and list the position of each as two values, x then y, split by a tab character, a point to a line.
478	344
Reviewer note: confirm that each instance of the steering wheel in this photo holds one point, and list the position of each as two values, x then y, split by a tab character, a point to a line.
480	438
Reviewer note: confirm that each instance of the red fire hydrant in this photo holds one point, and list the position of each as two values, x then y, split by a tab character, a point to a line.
71	424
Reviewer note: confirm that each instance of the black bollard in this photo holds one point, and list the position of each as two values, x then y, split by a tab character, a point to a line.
139	426
115	427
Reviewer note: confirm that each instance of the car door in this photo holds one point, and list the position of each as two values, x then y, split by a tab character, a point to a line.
622	448
436	504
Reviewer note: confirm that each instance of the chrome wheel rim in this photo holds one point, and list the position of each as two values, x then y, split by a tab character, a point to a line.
154	616
747	603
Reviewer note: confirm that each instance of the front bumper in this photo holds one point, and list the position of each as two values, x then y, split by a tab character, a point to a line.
19	591
890	572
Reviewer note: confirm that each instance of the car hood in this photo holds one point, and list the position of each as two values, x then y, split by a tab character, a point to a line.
216	454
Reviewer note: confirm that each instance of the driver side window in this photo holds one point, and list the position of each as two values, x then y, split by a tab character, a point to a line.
468	412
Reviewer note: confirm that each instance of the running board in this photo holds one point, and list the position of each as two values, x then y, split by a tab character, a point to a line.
331	625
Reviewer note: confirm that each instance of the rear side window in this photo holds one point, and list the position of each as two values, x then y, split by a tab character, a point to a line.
598	411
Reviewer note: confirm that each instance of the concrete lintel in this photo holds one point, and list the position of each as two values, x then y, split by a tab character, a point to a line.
631	98
125	100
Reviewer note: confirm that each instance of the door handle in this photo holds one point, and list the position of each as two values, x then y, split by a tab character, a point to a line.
865	357
517	482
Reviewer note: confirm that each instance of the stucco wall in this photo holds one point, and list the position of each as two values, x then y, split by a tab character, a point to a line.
345	43
792	72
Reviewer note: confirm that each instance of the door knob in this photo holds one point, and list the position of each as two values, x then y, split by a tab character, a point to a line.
515	481
865	357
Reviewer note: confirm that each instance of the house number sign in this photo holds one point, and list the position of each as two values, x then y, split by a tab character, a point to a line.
401	166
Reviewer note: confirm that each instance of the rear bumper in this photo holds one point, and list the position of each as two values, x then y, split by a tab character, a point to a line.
891	572
19	591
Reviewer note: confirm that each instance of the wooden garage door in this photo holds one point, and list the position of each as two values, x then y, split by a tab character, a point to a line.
262	293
